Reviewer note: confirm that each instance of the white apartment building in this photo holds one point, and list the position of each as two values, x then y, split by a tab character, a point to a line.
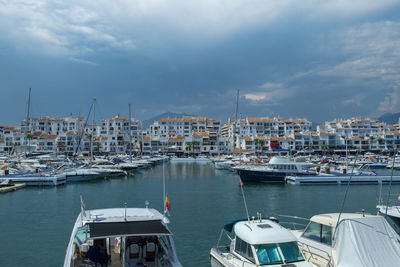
353	127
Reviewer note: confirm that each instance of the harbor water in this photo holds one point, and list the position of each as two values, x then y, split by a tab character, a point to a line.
36	223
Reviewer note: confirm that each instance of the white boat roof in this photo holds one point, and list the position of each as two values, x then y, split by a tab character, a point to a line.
330	219
264	232
118	215
285	160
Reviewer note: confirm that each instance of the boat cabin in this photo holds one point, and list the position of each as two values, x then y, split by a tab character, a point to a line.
259	243
282	164
317	238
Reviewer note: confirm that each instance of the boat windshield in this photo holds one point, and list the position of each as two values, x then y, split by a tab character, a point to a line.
291	252
268	254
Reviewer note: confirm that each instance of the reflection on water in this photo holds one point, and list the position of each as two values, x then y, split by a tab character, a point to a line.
39	221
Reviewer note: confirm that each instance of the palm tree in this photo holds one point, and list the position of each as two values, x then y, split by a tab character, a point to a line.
256	142
98	147
262	144
325	148
194	144
191	146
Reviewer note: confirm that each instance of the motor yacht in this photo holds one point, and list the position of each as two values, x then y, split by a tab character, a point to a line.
258	242
357	240
121	237
274	171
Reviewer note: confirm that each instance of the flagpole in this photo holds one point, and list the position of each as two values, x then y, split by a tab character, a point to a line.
164	199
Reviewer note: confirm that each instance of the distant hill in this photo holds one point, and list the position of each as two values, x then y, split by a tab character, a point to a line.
146	123
390	118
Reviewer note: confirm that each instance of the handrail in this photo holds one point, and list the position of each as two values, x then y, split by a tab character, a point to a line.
312	254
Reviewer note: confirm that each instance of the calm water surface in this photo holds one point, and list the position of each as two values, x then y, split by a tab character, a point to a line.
36	223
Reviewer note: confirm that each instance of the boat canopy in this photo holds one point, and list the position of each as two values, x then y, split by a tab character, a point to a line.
368	241
135	228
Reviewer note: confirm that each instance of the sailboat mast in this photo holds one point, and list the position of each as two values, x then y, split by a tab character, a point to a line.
28	116
130	133
236	116
92	132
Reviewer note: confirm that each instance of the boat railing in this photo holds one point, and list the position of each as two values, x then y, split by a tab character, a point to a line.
293	225
322	254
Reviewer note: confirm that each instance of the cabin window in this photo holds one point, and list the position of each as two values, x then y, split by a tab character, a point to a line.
319	232
326	235
268	254
244	249
291	252
313	231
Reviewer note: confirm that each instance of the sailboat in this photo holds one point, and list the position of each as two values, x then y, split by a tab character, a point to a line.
26	147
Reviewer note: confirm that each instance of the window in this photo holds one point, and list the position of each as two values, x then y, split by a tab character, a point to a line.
244	249
268	254
313	231
291	252
319	232
326	235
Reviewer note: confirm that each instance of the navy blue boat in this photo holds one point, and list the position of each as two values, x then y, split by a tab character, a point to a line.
274	171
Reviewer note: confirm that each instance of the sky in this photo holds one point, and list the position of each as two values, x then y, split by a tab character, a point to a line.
318	60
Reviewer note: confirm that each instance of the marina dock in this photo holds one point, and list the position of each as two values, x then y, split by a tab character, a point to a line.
342	179
53	180
10	188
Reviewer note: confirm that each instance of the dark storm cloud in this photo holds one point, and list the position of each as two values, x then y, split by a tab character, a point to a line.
314	59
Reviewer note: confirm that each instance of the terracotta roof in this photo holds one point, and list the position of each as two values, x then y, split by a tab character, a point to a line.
49	136
299	120
10	128
393	132
324	133
175	139
189	119
261	120
200	133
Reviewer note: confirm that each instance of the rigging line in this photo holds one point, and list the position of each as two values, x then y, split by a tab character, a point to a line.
390	186
83	130
244	200
347	190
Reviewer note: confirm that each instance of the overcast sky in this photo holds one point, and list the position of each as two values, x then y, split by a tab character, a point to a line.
315	59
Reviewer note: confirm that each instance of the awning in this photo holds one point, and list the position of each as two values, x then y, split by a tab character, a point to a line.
138	228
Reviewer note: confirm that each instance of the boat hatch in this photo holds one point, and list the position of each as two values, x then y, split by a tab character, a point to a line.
264	226
137	228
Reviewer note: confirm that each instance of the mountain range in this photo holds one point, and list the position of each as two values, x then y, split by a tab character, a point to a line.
390	118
